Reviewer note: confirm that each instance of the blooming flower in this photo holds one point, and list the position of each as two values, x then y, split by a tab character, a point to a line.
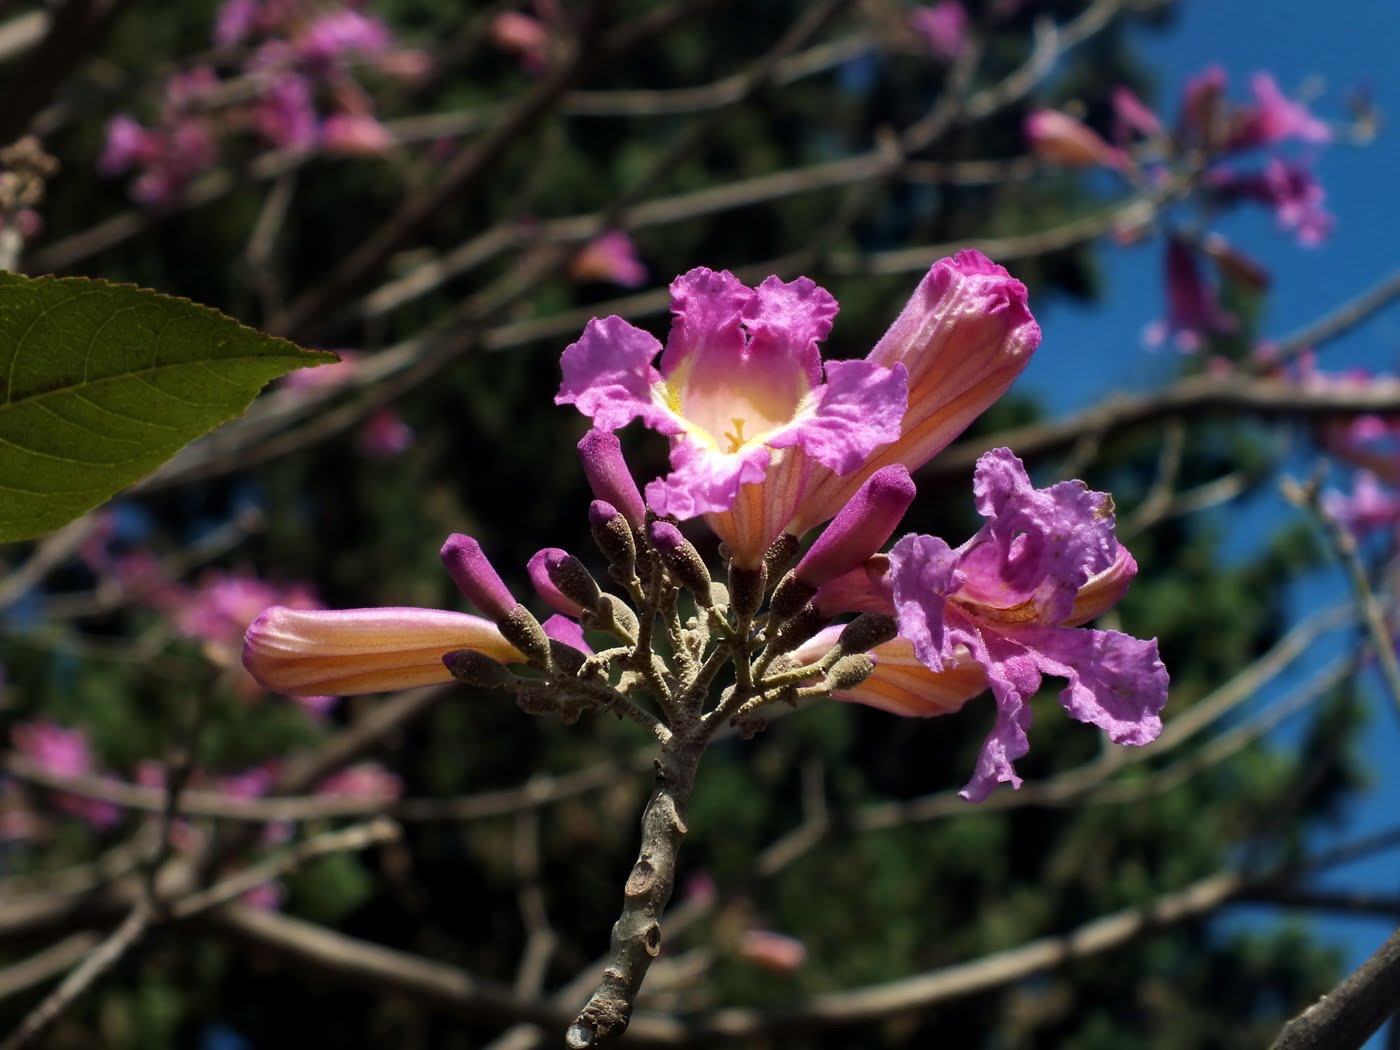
741	386
525	35
1286	186
1008	599
365	780
1276	118
1000	611
964	336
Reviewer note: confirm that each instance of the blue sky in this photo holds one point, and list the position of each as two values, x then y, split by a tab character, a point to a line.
1303	48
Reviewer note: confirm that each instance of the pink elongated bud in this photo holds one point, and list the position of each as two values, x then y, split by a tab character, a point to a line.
1059	138
471	571
681	557
601	454
562	581
1134	114
861	528
343	652
1104	590
613	535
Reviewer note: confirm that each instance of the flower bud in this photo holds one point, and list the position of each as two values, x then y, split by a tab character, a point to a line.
344	652
860	529
523	631
478	669
789	596
608	476
746	589
471	571
848	672
613	535
1058	137
867	631
563	582
801	626
613	616
681	558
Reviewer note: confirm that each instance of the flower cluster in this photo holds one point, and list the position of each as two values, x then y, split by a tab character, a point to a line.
768	442
293	83
1222	140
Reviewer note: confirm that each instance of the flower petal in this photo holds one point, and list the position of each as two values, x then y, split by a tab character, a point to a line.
859	410
608	376
902	685
705	480
923	573
1038	547
1116	682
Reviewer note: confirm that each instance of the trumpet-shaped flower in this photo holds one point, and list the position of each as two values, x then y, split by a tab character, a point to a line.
740	382
964	336
349	651
1044	559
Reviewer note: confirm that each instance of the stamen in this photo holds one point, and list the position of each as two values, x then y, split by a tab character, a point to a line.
737	438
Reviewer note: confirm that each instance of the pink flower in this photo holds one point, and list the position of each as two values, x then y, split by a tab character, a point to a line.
1007	600
220	609
943	27
129	145
775	952
355	135
741	385
65	753
284	115
235	21
964	336
1134	115
384	436
1369	507
340	34
368	781
1060	139
1276	118
524	36
1286	186
611	257
1193	312
363	650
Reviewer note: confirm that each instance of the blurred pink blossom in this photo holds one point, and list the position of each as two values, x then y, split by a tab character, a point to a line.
355	134
384	436
368	781
943	27
609	257
523	35
1061	139
775	952
66	753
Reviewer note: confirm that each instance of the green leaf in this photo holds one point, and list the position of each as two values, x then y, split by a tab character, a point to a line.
105	382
